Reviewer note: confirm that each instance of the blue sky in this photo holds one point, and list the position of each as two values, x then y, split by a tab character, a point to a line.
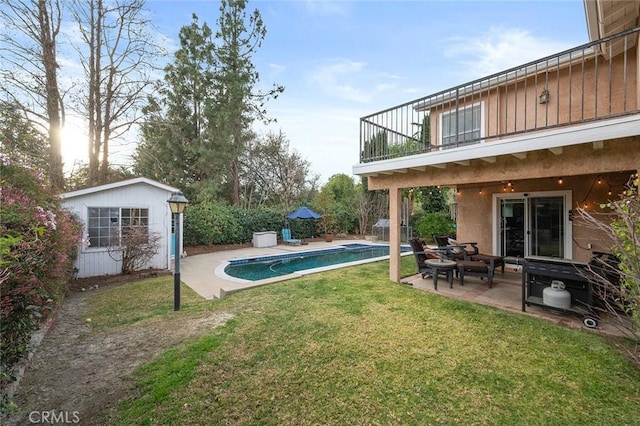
341	60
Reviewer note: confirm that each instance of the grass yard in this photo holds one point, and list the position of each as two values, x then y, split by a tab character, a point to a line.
347	347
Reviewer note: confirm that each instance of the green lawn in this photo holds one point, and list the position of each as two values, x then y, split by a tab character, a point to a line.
348	347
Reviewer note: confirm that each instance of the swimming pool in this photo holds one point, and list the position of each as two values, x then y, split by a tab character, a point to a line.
259	268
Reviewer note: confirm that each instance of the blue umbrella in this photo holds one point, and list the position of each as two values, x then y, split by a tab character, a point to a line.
304	213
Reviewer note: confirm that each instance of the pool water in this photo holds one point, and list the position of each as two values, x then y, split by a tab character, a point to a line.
260	268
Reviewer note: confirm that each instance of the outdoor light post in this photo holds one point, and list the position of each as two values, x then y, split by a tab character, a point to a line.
177	203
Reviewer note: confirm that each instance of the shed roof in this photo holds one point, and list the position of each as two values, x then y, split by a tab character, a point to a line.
114	185
382	223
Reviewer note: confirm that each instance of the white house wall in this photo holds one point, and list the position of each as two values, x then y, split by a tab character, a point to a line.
96	261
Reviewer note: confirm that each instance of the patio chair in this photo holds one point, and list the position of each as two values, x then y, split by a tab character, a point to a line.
469	251
421	255
454	249
286	237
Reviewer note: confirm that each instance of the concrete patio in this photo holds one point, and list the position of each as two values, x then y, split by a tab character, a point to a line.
204	273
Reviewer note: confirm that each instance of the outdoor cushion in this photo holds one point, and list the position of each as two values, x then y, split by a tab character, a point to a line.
474	267
492	261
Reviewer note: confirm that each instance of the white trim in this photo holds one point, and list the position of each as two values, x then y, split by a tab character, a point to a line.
95	249
567	207
594	27
600	130
114	185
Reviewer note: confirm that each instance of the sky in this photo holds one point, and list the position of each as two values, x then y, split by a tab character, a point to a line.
340	60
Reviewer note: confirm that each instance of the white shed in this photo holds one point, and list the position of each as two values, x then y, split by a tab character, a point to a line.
104	210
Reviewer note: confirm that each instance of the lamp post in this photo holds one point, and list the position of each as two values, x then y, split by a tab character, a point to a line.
177	203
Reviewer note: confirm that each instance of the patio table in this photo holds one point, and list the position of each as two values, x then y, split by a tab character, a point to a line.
441	265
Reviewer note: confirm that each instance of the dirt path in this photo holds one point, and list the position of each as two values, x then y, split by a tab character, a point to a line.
80	375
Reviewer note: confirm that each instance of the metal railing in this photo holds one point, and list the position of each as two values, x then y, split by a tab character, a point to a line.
595	81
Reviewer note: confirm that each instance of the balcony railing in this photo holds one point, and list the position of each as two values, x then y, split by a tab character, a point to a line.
595	81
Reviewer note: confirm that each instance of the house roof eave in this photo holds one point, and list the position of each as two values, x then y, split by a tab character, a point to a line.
594	26
114	185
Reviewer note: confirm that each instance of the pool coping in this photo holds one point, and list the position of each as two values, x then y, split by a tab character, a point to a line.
204	273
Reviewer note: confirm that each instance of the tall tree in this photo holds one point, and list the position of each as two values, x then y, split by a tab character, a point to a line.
272	174
29	74
237	104
118	56
174	136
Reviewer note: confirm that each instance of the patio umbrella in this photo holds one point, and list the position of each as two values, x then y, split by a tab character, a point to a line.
304	213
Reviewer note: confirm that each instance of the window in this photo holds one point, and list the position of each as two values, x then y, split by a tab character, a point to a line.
461	125
107	224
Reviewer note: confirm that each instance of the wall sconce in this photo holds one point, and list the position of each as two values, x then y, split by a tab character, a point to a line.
560	181
544	97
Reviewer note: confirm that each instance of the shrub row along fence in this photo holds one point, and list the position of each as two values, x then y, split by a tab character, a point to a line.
211	223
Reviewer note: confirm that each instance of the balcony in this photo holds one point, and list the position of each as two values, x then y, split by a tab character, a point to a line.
577	88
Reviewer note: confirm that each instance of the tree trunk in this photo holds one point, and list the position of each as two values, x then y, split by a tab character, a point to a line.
55	111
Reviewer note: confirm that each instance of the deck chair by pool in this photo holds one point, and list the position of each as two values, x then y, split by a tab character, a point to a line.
286	237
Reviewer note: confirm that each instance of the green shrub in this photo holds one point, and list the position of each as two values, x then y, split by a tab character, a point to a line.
256	220
434	224
210	223
38	246
213	223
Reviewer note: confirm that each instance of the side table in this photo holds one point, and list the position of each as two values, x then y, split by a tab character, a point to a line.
446	266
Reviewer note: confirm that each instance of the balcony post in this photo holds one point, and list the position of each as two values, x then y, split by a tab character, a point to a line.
394	234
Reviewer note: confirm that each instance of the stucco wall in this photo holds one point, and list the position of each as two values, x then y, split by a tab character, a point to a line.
578	165
477	212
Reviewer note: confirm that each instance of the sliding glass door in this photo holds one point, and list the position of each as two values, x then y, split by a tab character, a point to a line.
512	231
546	227
533	225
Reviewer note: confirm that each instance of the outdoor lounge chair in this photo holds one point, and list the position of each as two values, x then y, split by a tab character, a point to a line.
454	249
286	237
421	255
476	268
468	251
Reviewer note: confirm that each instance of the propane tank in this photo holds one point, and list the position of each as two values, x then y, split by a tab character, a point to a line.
556	295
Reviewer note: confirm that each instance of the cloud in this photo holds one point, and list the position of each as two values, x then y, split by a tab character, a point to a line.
335	79
353	81
326	8
498	49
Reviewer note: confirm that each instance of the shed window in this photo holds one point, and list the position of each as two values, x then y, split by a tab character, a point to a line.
461	125
107	224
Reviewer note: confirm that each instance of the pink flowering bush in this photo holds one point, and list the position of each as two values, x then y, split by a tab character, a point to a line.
38	245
